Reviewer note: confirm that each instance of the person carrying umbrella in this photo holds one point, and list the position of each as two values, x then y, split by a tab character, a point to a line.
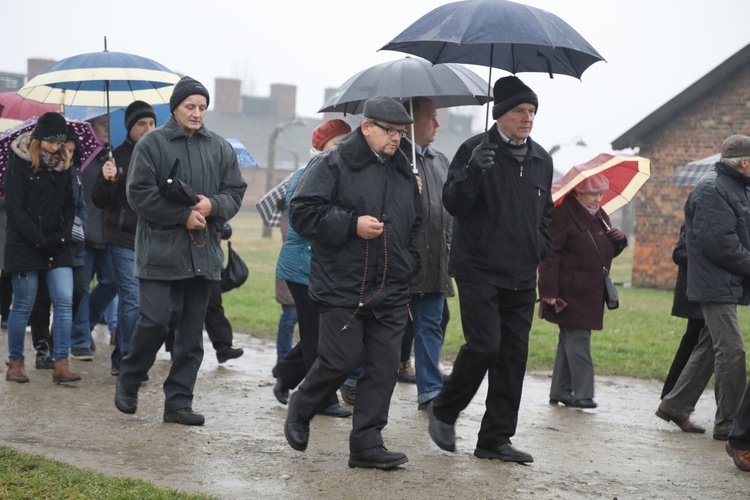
430	287
359	202
184	184
41	212
570	279
119	223
499	192
718	249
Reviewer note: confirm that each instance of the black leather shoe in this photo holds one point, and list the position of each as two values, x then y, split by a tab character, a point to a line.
584	403
423	406
376	458
335	410
721	436
126	403
226	352
184	416
444	435
348	394
566	402
296	428
504	452
282	395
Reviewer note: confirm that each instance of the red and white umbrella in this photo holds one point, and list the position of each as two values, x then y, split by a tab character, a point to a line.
626	175
14	109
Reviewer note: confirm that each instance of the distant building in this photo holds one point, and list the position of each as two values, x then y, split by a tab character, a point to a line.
689	127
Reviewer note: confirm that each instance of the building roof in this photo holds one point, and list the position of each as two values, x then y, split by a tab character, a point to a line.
634	137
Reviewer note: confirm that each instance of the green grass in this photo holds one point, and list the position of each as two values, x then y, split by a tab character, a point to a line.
29	476
638	340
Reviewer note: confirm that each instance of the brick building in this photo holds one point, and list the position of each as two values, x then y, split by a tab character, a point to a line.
689	127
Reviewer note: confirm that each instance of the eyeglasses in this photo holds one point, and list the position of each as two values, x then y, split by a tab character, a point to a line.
391	131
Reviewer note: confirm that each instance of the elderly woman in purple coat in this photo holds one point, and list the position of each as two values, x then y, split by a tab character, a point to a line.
571	286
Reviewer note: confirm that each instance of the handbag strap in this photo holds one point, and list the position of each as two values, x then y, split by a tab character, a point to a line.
601	261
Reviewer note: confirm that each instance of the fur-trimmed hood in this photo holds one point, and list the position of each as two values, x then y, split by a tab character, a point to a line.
20	146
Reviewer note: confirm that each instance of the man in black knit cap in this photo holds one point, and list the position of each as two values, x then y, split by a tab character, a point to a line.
184	184
498	190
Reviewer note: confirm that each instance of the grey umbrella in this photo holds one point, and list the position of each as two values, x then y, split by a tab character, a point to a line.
694	170
446	85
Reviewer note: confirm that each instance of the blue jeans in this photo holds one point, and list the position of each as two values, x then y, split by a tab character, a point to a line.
60	286
427	313
123	261
110	313
285	333
93	304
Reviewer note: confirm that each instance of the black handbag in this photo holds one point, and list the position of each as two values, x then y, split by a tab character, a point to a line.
176	190
236	273
611	299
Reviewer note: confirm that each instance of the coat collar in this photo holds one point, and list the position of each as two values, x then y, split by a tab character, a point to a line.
357	154
173	131
578	213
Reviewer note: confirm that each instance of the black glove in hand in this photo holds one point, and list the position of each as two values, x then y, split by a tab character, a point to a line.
51	246
483	157
615	235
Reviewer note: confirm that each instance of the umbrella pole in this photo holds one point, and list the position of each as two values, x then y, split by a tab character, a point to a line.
489	86
413	146
109	123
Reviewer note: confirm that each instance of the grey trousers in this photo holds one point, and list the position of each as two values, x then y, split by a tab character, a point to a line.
721	352
573	375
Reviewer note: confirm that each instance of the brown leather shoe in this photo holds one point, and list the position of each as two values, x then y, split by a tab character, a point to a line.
683	423
741	458
16	371
63	374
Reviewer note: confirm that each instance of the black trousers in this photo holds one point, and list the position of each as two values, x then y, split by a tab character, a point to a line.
739	437
376	341
496	325
182	301
218	327
687	344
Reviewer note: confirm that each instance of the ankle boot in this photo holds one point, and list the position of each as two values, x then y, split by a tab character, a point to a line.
62	373
16	372
43	358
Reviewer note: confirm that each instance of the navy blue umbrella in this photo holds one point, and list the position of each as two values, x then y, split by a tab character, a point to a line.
500	34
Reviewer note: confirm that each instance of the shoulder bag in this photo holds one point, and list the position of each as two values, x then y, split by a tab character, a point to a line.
236	273
611	299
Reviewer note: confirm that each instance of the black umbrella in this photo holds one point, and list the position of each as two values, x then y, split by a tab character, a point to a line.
500	34
446	85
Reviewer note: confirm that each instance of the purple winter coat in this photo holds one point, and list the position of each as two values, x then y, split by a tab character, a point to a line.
572	270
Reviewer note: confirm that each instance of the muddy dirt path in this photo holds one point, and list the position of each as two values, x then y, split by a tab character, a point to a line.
620	450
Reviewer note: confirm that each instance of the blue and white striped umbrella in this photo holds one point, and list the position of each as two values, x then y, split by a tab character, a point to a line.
102	79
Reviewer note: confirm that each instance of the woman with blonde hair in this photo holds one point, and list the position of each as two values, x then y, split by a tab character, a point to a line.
41	211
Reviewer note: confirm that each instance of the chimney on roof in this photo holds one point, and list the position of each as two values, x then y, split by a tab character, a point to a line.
328	92
283	100
35	65
228	98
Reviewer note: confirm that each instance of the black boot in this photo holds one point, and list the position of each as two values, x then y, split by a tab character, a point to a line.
43	358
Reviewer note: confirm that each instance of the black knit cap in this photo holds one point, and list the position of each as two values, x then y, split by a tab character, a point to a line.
137	110
508	93
185	88
51	127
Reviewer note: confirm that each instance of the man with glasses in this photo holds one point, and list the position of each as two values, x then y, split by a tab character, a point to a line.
359	202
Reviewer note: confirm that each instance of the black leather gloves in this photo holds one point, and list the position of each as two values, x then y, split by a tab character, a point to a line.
483	157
